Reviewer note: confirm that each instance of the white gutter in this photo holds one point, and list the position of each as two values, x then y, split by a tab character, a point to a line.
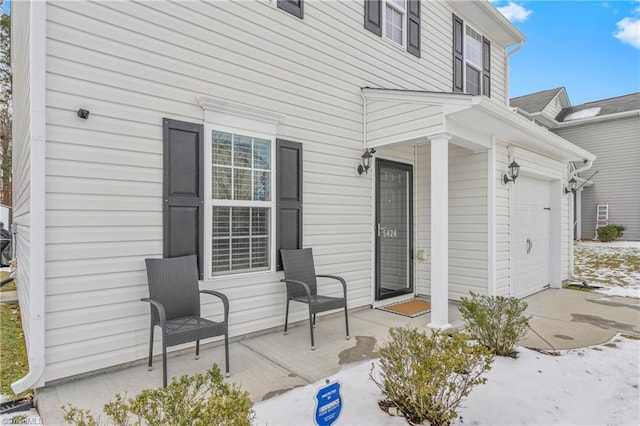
587	165
36	262
506	70
598	118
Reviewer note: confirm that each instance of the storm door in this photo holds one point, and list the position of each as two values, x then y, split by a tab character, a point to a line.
394	229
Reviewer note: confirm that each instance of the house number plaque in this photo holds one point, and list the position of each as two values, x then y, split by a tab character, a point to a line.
388	233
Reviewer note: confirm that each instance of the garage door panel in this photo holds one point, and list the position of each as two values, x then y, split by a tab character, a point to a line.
531	227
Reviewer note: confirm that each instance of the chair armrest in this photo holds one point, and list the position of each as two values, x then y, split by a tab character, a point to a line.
335	277
225	301
304	285
161	315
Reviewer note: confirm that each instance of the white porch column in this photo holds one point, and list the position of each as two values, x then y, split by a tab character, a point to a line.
440	232
578	213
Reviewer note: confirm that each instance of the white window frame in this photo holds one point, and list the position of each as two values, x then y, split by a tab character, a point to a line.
467	62
403	12
224	116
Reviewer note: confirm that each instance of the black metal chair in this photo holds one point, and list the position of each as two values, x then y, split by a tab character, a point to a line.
301	280
174	299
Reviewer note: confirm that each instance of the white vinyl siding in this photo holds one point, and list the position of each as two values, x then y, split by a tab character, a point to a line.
554	107
393	122
132	64
20	35
467	221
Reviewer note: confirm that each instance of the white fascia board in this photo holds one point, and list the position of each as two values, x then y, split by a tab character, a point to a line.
598	119
492	23
530	135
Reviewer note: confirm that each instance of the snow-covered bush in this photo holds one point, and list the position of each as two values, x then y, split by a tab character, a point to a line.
426	378
188	400
496	322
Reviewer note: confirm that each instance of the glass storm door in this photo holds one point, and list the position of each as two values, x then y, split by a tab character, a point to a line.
394	229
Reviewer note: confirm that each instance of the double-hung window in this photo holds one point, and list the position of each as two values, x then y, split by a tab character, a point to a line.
394	20
241	205
471	60
222	182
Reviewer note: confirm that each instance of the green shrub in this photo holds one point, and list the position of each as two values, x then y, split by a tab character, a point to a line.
496	322
427	377
188	400
610	232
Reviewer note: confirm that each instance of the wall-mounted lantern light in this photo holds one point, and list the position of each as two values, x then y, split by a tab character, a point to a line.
366	161
514	169
573	185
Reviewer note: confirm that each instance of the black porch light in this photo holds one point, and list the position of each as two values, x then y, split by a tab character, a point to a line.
573	185
514	169
367	155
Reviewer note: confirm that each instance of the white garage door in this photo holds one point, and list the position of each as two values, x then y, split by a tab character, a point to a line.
530	227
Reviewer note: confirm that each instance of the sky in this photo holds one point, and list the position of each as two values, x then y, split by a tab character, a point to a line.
592	48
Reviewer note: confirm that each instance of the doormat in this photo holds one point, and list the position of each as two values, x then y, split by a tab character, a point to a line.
411	308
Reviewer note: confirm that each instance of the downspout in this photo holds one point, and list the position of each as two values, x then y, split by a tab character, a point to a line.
364	119
506	69
36	263
587	165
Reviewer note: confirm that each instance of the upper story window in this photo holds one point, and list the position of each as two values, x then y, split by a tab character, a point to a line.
471	60
294	7
395	20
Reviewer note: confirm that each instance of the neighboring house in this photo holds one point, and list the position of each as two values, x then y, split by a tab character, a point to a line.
610	129
232	129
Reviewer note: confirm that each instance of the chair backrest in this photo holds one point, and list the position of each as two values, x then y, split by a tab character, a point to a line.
298	265
173	281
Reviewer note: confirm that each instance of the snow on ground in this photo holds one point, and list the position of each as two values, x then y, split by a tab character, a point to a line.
614	266
595	385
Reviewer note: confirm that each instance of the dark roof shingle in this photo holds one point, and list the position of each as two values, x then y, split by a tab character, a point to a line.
609	106
535	102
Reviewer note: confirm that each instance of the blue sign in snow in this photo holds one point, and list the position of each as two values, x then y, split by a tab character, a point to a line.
328	404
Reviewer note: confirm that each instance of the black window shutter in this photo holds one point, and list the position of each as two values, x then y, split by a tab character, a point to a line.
486	67
458	60
373	16
182	189
294	7
289	197
413	27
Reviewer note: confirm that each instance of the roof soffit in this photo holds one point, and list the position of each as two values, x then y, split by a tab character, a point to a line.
489	20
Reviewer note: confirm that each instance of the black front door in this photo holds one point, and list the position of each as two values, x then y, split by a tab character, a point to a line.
394	229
